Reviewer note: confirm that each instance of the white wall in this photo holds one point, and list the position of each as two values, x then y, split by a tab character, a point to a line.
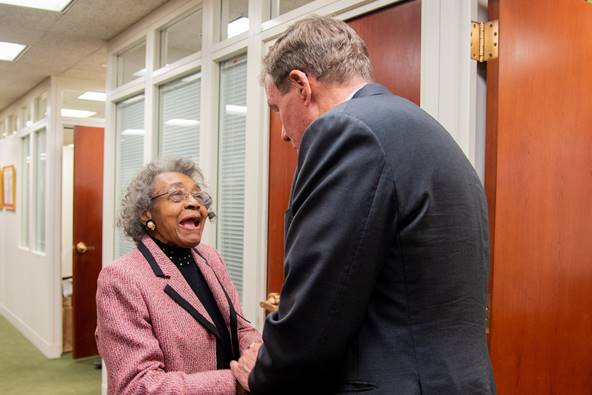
26	298
30	281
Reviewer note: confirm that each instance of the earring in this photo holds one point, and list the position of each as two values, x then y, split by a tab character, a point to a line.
151	225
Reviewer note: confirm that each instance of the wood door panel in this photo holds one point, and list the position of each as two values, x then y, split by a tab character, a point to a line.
540	188
393	38
282	163
87	224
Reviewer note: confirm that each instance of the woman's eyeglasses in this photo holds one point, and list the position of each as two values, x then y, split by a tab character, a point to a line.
178	196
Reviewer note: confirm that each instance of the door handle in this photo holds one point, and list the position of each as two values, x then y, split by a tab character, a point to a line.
272	303
82	248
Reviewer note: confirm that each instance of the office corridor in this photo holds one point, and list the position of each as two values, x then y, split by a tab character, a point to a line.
24	369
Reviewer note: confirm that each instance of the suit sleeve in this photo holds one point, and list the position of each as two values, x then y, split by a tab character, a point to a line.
134	360
343	219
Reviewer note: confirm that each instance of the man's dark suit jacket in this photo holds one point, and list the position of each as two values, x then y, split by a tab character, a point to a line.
386	260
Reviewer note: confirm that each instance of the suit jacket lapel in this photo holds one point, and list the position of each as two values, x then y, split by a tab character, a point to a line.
177	287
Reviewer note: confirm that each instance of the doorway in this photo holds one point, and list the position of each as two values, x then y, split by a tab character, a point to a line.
82	210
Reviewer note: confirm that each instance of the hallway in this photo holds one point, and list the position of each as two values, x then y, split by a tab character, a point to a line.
24	370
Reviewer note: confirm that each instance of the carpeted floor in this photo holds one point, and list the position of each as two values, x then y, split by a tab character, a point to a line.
24	370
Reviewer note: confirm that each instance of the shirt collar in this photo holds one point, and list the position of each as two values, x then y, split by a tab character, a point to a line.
353	93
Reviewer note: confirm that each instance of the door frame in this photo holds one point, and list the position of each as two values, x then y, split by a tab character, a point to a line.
56	126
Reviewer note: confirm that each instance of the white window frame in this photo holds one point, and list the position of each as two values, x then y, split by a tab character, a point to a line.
158	42
34	135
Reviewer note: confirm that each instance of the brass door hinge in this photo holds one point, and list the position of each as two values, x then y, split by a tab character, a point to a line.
484	40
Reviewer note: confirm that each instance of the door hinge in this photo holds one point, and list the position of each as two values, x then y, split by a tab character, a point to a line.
484	40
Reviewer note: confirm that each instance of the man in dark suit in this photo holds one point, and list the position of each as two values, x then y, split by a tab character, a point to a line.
386	254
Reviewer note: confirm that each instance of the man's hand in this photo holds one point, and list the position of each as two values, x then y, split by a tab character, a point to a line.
245	364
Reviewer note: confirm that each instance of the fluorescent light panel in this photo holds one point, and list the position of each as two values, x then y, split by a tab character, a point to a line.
236	110
10	51
237	26
133	132
93	96
67	112
49	5
182	122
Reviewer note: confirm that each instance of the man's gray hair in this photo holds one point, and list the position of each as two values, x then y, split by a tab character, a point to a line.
324	47
137	198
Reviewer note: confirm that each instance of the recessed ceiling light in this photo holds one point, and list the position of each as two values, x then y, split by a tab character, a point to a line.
49	5
94	96
10	51
66	112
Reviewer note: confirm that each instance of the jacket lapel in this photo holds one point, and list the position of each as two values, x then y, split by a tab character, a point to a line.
176	286
213	283
220	295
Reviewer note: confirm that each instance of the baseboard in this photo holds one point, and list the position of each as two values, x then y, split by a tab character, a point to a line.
49	350
103	379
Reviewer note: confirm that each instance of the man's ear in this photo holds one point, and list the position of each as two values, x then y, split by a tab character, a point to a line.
301	82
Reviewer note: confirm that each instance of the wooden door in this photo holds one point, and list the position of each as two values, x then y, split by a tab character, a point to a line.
87	228
393	37
539	186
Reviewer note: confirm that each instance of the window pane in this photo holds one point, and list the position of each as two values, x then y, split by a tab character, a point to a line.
181	39
179	118
131	64
130	156
231	175
2	129
279	7
88	104
40	175
26	158
235	18
25	118
40	107
11	124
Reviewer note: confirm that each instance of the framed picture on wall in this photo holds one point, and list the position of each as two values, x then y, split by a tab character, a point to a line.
9	187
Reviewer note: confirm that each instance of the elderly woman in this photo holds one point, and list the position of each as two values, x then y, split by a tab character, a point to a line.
168	315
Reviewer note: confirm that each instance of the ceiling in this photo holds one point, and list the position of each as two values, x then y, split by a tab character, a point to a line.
72	44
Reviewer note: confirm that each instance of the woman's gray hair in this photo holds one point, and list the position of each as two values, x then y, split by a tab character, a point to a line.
137	198
324	47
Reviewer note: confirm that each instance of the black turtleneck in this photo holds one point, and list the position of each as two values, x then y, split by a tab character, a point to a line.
183	259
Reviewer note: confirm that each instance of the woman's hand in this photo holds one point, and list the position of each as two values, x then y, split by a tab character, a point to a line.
245	364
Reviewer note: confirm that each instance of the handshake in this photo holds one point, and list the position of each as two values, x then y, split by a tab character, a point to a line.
242	368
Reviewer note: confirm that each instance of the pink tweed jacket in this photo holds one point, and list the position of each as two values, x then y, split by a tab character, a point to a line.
151	339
